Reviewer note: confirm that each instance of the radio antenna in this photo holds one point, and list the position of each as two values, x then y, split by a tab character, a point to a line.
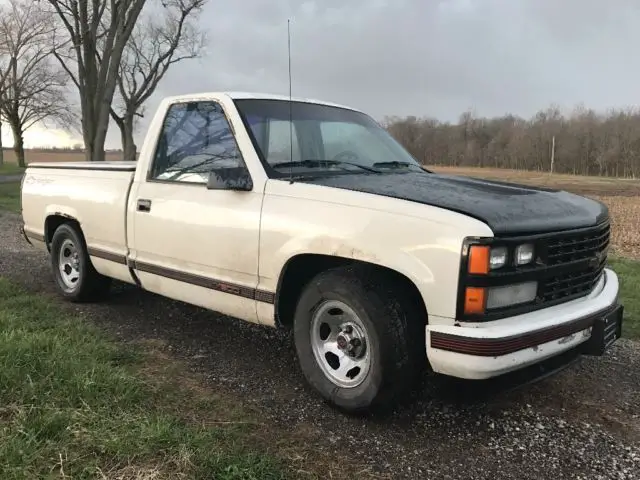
290	104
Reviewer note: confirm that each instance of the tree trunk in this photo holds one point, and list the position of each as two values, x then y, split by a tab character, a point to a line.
98	154
1	147
94	149
129	148
93	144
102	115
18	146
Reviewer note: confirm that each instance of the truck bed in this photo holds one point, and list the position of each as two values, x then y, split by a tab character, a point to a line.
94	194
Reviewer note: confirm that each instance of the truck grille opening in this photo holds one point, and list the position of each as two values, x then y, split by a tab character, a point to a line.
584	254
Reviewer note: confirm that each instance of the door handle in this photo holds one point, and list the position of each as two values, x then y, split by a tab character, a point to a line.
144	205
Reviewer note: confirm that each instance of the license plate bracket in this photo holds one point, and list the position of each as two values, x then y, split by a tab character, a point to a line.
607	328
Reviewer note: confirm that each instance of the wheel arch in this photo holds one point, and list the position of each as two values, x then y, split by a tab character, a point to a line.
53	221
94	286
300	269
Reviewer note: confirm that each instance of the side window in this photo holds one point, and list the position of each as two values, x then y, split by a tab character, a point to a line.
195	139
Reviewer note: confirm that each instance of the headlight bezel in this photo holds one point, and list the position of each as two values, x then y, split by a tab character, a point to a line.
478	275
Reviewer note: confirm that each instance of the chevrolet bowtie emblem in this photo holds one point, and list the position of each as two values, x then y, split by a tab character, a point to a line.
596	260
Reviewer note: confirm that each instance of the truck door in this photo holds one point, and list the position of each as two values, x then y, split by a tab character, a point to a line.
189	242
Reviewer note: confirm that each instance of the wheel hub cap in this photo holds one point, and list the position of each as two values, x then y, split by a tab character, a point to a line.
339	343
69	264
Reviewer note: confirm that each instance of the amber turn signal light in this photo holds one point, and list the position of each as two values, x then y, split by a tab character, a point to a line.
479	259
474	300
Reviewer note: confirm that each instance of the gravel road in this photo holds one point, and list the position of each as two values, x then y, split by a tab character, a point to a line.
583	423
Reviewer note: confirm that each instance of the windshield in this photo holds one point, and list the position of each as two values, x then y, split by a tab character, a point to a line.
324	138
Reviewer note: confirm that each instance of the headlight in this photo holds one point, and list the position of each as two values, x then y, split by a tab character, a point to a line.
498	297
524	254
498	257
482	259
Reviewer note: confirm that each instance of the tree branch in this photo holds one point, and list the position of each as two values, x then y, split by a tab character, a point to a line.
155	44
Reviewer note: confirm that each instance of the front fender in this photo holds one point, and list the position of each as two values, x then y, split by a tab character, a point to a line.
424	251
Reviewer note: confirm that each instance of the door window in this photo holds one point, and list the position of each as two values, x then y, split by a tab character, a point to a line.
196	138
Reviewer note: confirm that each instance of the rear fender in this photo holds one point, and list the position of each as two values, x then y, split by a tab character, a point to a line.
62	211
58	211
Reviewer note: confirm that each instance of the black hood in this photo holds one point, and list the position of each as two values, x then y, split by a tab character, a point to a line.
508	209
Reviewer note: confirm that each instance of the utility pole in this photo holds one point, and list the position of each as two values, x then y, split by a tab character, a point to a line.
553	151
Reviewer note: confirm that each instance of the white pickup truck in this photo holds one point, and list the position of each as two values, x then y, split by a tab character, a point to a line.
303	214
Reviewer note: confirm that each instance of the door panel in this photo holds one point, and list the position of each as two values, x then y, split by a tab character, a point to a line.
188	242
200	237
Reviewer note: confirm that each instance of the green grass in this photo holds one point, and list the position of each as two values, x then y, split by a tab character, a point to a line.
75	404
10	169
10	197
629	275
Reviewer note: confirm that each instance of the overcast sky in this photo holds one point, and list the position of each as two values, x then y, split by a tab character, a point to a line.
421	57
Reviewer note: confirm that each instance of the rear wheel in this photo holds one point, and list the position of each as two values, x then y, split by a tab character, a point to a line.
359	339
75	276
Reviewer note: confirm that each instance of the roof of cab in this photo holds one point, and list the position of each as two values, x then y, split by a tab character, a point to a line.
252	95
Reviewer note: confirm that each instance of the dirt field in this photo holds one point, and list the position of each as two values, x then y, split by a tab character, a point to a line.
622	196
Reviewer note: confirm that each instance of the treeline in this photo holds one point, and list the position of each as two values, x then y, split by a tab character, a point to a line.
586	142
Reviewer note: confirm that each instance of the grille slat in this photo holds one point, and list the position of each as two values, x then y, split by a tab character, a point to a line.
570	248
569	288
582	251
577	246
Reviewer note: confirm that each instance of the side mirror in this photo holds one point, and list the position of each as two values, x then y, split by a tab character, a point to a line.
236	178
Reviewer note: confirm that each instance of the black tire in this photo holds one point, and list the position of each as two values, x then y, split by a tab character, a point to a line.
395	329
90	285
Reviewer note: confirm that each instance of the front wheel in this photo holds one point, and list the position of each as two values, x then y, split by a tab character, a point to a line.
359	339
75	276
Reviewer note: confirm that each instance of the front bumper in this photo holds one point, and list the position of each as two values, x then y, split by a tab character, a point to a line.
482	351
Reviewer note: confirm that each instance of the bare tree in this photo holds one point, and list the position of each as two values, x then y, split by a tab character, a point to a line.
5	69
153	47
33	87
97	32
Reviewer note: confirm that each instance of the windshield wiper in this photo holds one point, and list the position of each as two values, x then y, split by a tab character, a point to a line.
311	163
395	164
